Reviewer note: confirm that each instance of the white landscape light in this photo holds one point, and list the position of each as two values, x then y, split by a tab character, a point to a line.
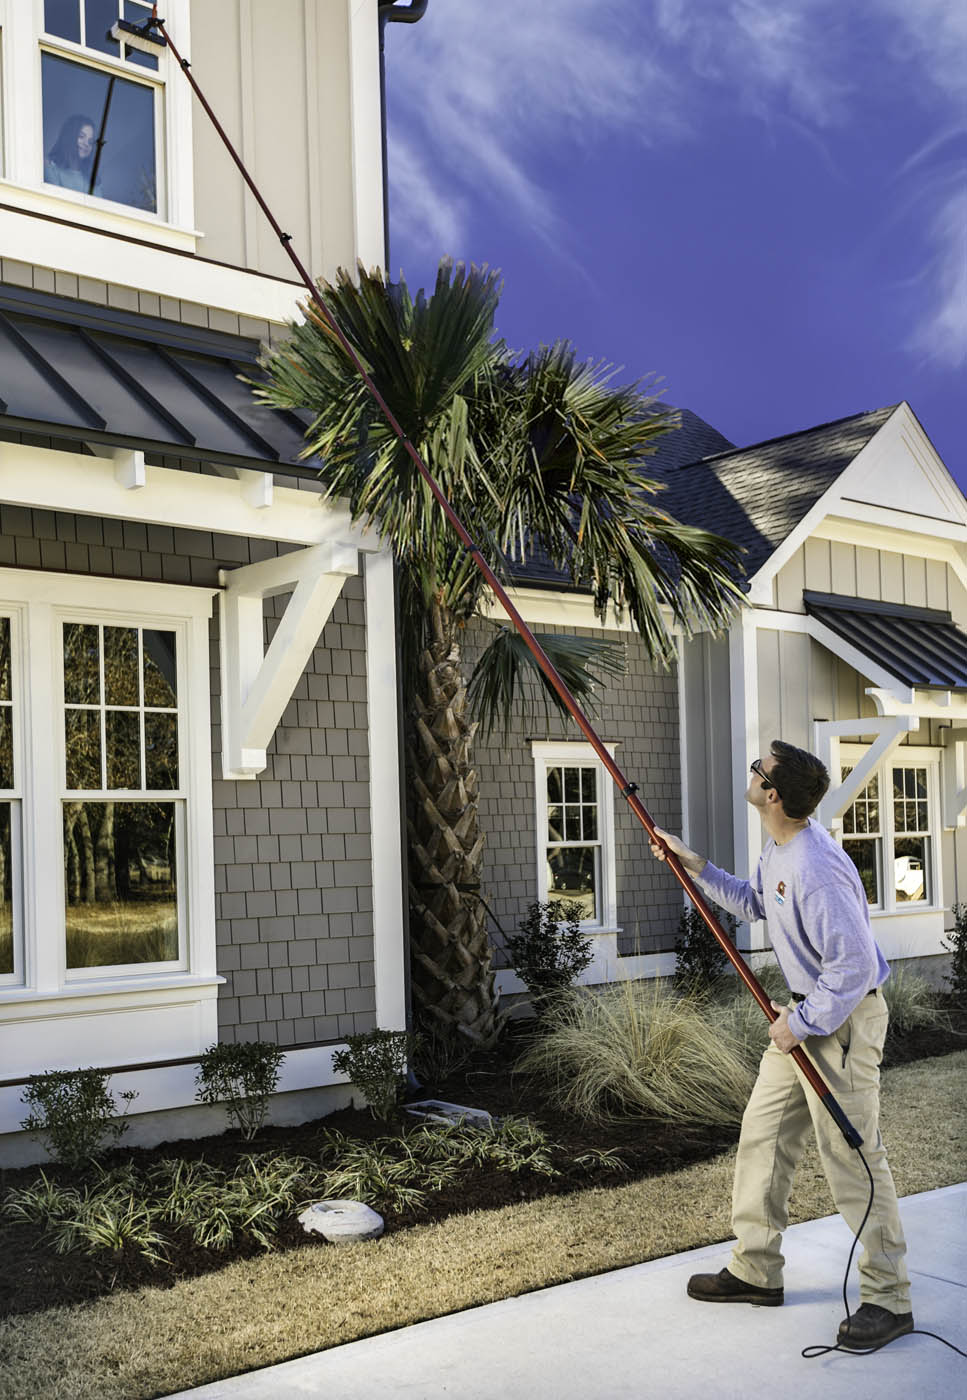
138	36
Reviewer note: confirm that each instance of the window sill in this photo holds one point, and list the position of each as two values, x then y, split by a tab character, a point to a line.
902	912
102	216
114	994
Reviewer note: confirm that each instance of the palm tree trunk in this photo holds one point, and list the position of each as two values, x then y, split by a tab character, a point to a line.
453	978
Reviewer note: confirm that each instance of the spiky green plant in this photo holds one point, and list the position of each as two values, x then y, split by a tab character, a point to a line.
533	451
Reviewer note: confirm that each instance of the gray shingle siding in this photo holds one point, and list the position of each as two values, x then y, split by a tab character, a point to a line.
638	712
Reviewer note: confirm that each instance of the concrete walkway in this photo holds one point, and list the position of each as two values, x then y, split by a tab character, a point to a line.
635	1333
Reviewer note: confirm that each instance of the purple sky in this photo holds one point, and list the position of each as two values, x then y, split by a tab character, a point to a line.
762	201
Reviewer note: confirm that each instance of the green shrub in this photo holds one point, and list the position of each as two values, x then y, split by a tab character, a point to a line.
243	1076
73	1115
641	1049
551	951
376	1062
956	945
701	963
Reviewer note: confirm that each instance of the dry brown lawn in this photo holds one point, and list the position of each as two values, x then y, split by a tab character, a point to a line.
150	1343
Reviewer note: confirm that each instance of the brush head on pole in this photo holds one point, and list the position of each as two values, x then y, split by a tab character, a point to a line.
137	36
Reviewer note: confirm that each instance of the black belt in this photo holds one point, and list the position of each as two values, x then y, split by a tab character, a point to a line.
801	996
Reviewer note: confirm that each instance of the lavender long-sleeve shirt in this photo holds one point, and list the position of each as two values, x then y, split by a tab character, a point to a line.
814	905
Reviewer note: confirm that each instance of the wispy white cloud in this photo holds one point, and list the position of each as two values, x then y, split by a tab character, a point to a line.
490	97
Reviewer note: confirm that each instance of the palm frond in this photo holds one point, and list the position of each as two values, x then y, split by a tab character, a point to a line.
507	664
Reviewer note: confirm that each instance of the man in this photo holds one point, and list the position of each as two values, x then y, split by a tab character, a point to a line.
808	891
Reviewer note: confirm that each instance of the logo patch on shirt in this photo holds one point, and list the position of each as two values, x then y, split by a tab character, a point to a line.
781	892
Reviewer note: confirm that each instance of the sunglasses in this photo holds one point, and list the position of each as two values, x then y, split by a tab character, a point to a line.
756	768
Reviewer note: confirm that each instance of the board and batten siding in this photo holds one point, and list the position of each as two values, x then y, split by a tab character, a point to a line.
296	87
638	712
293	878
889	576
708	747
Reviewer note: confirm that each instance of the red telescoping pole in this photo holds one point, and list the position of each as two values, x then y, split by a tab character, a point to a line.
627	789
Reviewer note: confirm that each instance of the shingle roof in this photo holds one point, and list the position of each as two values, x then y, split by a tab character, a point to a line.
756	496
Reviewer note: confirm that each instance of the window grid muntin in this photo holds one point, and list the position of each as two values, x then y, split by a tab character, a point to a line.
141	709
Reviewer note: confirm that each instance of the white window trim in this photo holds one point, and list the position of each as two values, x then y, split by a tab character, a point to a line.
22	24
37	600
906	755
546	753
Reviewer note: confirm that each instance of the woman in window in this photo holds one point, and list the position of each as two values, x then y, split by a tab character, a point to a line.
70	159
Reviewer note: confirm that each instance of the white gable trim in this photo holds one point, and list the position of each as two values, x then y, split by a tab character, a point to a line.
901	433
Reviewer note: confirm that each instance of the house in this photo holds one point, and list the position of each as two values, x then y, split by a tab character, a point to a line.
200	828
187	820
853	644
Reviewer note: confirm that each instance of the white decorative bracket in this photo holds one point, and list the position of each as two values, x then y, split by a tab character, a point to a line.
889	731
129	470
258	684
954	777
256	488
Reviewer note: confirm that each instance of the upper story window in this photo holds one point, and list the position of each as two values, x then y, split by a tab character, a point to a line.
100	127
92	125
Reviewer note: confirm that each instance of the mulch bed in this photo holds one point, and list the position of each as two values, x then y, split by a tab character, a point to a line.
33	1278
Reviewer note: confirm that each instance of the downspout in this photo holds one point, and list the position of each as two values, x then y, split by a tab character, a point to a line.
392	13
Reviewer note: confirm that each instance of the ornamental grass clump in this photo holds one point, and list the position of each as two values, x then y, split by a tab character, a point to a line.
911	1002
638	1048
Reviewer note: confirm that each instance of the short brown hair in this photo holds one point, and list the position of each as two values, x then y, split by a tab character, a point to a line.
800	777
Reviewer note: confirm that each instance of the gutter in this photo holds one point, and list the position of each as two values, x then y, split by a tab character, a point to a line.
390	12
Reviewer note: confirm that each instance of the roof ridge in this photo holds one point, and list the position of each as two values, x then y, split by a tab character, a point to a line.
782	437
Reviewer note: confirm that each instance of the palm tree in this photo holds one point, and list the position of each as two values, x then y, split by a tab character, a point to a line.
535	452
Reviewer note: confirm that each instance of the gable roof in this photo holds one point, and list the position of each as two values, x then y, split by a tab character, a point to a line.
755	496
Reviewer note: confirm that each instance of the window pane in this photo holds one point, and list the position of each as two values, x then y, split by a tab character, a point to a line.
589	785
160	670
865	856
63	17
590	823
82	734
83	106
121	665
554	790
572	874
6	747
572	823
123	736
99	15
910	868
137	14
82	680
555	823
121	883
5	659
161	751
873	816
572	785
6	892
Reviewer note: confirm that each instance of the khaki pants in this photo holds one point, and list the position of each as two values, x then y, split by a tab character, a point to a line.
778	1117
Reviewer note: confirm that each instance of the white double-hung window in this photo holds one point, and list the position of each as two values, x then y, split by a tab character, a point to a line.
90	121
575	831
106	863
890	830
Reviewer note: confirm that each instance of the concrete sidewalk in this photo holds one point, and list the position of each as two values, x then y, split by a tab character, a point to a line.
636	1333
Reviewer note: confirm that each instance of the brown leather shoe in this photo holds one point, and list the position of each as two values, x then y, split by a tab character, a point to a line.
872	1326
724	1287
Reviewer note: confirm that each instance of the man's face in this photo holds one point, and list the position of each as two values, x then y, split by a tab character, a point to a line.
756	794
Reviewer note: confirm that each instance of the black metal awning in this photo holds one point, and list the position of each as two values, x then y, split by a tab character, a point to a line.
922	647
76	371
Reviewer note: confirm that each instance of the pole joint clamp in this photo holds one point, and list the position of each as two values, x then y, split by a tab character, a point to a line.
628	789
